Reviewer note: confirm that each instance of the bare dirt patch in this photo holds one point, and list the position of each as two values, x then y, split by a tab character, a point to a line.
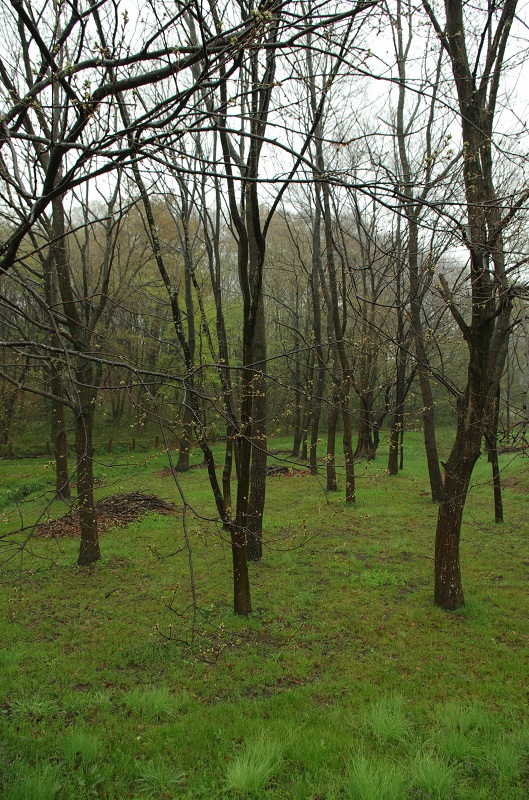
117	510
274	471
517	483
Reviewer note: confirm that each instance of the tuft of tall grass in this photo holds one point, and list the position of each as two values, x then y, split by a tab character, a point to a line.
433	776
34	783
158	779
505	758
386	719
456	746
249	772
81	747
464	717
155	703
369	778
34	705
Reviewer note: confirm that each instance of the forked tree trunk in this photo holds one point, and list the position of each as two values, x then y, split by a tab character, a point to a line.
487	333
365	447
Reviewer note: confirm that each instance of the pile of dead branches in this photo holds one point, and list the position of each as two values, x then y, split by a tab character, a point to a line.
117	510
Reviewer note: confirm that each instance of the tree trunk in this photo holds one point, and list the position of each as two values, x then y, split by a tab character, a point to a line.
458	472
317	395
398	417
487	333
58	436
491	439
498	503
365	447
226	472
350	488
394	438
298	414
186	439
84	420
448	585
315	424
241	581
430	440
314	430
304	454
58	417
400	383
254	534
332	422
413	207
428	414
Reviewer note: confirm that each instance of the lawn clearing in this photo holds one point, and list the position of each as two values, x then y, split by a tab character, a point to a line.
345	682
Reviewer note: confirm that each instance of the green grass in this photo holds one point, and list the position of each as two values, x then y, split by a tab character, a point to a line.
432	777
369	778
344	682
33	783
158	778
248	772
387	720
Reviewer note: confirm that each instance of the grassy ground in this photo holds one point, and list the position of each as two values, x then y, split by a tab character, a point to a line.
345	682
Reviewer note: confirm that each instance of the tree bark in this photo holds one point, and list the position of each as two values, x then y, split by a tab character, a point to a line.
487	333
317	395
186	438
491	439
254	536
58	435
332	423
84	421
365	446
458	472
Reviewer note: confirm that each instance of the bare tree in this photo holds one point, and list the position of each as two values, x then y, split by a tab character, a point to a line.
476	45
